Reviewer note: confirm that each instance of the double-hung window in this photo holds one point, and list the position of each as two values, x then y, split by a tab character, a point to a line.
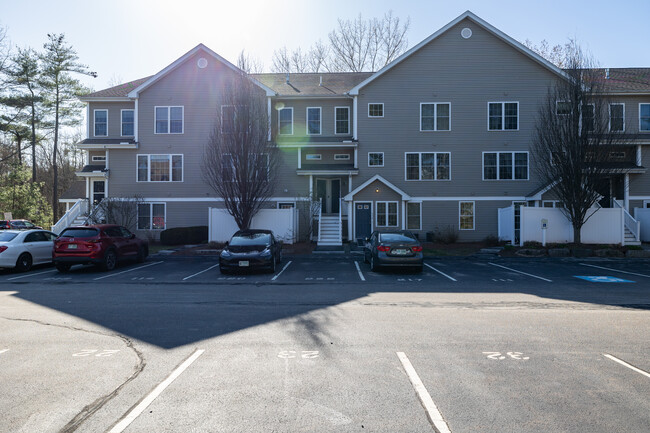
617	117
505	165
466	215
342	120
644	117
313	120
101	123
128	122
151	216
435	116
160	168
503	116
386	214
285	121
428	166
414	216
169	120
588	117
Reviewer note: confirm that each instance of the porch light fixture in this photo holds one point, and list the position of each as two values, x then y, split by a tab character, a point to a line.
377	190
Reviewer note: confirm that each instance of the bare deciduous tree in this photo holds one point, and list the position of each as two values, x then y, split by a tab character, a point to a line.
559	55
249	64
241	163
118	210
573	149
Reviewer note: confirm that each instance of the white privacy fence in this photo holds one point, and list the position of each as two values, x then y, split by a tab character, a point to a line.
605	226
283	223
643	216
507	224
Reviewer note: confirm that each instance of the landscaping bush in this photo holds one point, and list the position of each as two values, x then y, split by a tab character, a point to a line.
532	244
184	235
448	235
491	241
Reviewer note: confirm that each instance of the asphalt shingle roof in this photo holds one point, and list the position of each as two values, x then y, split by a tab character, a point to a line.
119	91
626	80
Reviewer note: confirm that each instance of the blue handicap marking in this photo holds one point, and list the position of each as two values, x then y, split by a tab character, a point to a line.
602	279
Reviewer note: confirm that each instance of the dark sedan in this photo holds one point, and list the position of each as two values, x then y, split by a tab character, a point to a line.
394	249
251	249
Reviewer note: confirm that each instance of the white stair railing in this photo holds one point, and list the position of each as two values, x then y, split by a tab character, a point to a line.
79	208
320	218
630	223
340	233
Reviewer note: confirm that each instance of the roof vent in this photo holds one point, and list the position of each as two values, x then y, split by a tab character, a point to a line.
287	78
202	62
466	33
607	73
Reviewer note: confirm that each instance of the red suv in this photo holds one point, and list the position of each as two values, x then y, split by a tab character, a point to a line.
103	245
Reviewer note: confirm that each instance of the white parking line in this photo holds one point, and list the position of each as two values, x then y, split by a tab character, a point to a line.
440	272
623	363
429	406
615	270
31	275
278	274
359	271
128	270
199	273
521	272
137	410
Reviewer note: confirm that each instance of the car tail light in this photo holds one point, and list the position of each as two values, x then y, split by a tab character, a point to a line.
383	248
417	249
3	248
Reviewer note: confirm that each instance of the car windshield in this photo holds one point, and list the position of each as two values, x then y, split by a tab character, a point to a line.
79	233
251	239
396	237
26	224
6	237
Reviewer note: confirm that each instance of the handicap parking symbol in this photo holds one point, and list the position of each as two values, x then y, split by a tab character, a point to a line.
602	279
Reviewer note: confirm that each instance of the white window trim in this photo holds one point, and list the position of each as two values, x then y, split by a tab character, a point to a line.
122	121
95	122
556	113
169	119
513	166
553	202
171	155
382	159
386	214
435	117
473	215
314	157
407	215
646	204
293	203
383	113
435	168
643	131
151	203
337	157
280	125
320	120
102	158
503	115
342	133
609	109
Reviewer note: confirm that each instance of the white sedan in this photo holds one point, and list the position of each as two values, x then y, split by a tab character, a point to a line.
21	249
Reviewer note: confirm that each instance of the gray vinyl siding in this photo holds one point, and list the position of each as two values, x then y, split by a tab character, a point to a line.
468	73
640	183
300	115
114	117
327	155
631	111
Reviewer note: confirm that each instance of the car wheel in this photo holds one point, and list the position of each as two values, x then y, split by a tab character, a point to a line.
280	257
373	264
110	260
24	262
142	254
63	267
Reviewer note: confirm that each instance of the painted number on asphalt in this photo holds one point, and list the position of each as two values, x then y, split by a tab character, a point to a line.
305	354
409	279
95	352
319	279
512	355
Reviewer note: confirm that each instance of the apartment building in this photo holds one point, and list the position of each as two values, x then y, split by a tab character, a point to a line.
439	138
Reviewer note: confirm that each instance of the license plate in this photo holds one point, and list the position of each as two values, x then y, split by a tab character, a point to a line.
243	263
400	252
72	246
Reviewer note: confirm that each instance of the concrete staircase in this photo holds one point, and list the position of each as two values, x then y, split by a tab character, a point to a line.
630	239
330	231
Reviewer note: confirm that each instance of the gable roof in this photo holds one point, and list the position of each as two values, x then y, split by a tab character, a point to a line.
624	80
200	47
485	25
349	196
119	91
310	84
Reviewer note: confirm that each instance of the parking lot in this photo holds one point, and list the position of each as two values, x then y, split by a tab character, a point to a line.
325	344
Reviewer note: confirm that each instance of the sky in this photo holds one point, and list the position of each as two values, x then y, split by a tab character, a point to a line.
128	39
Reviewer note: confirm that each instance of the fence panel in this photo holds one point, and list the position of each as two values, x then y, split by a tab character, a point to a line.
643	215
603	227
283	223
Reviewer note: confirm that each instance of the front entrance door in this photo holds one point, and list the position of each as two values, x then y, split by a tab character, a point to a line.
362	220
99	188
328	191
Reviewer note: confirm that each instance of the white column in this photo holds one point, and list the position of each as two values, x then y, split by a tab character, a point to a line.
626	192
106	175
356	157
135	121
311	187
268	113
350	234
403	215
354	121
639	158
349	183
87	119
300	158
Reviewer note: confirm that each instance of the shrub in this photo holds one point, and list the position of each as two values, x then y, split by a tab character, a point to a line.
532	244
491	241
184	235
633	247
448	235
